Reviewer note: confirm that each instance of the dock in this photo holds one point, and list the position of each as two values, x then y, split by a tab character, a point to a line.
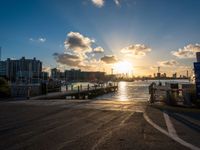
79	93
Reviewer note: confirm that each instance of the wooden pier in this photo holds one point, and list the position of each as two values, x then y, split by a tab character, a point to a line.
80	93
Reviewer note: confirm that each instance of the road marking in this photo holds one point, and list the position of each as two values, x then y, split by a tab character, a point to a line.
175	138
169	124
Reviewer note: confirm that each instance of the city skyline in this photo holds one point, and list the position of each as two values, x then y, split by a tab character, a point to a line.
100	35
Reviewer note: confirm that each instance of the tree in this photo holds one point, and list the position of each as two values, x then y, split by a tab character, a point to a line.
4	88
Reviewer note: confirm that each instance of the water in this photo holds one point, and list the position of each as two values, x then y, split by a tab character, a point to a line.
127	91
136	91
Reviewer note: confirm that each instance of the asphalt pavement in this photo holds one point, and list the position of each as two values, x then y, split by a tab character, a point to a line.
80	125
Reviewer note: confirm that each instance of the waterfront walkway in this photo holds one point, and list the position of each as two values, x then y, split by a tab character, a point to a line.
77	124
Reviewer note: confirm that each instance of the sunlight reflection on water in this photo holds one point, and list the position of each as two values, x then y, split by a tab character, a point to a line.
133	91
122	91
129	91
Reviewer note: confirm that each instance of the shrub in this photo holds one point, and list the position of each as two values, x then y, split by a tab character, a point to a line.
4	88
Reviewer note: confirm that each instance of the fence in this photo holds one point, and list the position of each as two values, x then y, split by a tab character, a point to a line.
25	90
172	94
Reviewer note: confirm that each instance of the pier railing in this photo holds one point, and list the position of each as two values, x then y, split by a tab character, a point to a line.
170	95
84	87
81	92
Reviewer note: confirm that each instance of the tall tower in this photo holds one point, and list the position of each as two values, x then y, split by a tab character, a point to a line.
158	69
158	74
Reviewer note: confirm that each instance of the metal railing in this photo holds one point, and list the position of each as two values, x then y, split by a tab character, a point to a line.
169	95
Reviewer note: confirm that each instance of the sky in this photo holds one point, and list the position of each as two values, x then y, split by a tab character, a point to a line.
103	34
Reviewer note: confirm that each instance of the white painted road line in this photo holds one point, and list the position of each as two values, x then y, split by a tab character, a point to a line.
175	138
169	124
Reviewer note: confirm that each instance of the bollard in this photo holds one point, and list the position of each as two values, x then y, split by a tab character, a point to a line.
88	87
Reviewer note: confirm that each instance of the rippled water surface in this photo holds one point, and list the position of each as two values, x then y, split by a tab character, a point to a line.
129	91
137	90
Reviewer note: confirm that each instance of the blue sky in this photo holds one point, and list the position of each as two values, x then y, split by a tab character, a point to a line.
39	29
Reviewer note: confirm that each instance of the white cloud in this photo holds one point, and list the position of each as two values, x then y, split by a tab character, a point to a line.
137	50
117	2
98	3
109	59
153	67
42	40
73	61
39	40
79	53
188	51
46	69
67	59
78	43
76	48
31	39
92	65
98	50
168	63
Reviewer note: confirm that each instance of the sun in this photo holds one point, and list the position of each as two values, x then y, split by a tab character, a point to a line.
123	67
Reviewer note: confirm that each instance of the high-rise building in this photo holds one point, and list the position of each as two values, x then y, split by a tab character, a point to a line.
78	75
73	75
25	70
164	75
55	73
44	75
158	75
2	69
174	75
92	76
